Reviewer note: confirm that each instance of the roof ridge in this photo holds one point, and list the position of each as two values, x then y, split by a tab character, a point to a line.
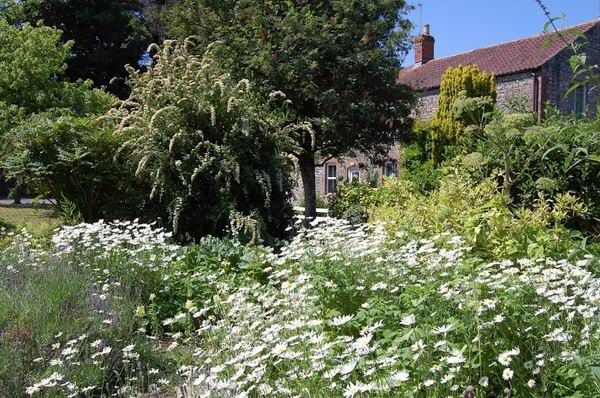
591	22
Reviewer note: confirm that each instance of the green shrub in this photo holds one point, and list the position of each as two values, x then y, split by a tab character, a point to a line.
555	158
459	83
205	146
472	208
417	163
350	198
70	158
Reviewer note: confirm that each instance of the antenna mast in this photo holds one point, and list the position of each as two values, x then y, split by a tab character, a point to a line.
420	5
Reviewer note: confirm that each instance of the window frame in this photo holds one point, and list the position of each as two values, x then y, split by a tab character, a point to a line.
350	174
330	179
394	164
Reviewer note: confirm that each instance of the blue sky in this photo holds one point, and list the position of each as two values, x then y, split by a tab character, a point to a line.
463	25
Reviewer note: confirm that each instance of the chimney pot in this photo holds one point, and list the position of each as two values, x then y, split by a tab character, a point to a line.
426	29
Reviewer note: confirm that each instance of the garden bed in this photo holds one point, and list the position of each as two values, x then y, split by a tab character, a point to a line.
341	310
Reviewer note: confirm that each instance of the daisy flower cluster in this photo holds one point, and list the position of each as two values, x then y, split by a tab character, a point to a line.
106	237
119	263
341	310
350	311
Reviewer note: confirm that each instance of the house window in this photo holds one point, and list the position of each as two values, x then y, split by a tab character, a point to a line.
390	168
331	178
580	99
353	175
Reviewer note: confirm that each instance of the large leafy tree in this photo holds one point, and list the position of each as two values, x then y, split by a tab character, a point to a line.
32	66
334	64
107	34
33	100
30	58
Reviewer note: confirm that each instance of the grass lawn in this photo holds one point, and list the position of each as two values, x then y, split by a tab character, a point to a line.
36	218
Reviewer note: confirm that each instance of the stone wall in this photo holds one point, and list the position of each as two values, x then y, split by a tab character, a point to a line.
509	88
558	75
514	88
427	104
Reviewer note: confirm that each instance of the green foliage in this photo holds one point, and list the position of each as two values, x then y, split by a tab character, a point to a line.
553	159
518	104
50	139
334	64
32	62
32	312
351	202
30	59
68	212
417	164
460	82
103	35
192	280
68	158
472	209
205	146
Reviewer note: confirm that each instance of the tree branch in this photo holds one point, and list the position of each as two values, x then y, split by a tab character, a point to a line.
327	159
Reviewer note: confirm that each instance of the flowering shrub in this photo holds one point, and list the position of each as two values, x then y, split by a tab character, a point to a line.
341	310
205	145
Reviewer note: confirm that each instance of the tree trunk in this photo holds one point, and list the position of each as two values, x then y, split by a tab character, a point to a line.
307	169
18	193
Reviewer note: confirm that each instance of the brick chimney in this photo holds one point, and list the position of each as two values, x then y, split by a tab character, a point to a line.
424	44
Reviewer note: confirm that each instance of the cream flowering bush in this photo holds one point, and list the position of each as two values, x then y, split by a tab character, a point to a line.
205	144
340	310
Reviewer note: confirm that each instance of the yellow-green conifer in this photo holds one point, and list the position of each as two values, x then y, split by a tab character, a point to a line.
467	81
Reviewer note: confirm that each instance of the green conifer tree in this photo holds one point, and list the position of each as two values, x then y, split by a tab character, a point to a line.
459	82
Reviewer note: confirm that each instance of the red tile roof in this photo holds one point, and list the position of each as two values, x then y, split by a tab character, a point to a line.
502	59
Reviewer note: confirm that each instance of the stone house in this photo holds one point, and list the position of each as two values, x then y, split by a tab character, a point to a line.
533	72
339	170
